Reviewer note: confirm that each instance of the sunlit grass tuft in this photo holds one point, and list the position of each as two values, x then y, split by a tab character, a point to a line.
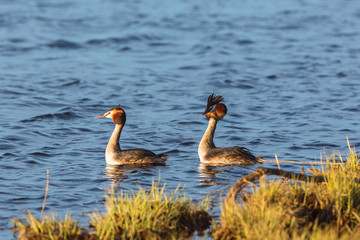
298	210
50	228
152	214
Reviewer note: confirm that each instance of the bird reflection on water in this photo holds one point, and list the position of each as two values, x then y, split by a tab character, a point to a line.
210	174
117	173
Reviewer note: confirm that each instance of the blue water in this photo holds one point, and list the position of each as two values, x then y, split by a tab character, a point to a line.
288	70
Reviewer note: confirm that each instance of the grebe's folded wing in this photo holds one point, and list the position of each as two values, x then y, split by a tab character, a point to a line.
233	154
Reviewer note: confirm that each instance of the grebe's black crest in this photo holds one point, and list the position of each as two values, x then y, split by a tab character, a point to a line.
212	101
116	108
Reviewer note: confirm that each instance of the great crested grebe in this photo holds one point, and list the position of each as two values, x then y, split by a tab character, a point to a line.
115	156
208	153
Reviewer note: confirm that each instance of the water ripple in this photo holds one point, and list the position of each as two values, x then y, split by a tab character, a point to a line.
64	44
65	116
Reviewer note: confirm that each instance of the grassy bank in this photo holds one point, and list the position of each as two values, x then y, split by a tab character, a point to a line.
322	205
49	227
153	214
150	214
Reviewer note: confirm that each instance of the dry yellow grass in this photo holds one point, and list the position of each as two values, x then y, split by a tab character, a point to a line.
152	214
295	209
49	227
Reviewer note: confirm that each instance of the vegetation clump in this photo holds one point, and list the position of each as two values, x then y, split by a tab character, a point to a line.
150	214
47	228
326	204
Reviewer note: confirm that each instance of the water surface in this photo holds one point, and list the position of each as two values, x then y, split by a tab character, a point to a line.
288	70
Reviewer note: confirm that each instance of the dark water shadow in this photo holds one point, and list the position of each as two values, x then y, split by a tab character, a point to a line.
117	173
209	173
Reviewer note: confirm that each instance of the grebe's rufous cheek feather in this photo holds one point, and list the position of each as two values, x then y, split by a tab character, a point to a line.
220	110
119	117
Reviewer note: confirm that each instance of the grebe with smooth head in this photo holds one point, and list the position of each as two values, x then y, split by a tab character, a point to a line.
115	156
208	153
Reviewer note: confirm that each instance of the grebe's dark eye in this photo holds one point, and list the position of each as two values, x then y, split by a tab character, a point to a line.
212	108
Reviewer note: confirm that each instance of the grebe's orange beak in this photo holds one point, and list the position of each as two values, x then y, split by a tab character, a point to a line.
104	115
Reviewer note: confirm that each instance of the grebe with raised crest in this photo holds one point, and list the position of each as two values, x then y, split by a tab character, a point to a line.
115	156
208	153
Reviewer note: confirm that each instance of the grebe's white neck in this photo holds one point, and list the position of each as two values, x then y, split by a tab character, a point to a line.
113	146
207	142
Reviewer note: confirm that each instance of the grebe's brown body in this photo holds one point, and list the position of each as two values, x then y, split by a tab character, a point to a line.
208	153
115	156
